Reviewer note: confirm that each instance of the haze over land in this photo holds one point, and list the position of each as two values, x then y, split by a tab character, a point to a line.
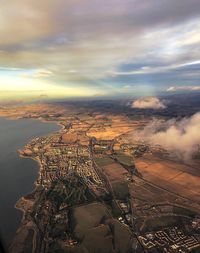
89	48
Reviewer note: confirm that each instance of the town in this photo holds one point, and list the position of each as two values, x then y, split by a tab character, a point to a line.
93	167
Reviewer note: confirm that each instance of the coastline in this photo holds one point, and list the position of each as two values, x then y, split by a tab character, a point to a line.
22	203
18	205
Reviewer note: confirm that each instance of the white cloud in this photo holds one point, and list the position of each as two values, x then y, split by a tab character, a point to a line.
39	73
43	73
182	137
172	88
126	87
149	103
183	88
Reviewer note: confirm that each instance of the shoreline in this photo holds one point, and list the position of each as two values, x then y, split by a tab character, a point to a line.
22	203
20	208
38	164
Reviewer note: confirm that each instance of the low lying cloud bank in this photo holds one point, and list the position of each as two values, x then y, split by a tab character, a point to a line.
148	103
181	137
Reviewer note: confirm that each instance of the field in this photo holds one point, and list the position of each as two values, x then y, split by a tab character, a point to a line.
153	224
45	111
114	127
103	160
120	189
124	159
70	192
116	174
98	232
73	137
151	200
172	176
155	208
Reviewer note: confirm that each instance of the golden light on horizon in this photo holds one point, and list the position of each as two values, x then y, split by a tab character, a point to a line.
12	86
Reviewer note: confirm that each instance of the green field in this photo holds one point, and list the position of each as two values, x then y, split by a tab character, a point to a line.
120	189
103	160
71	191
124	159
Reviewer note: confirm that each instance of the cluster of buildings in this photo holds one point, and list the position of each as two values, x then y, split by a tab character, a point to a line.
58	160
137	150
127	217
196	223
170	240
102	146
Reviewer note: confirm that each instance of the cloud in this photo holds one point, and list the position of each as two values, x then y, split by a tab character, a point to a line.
182	137
43	73
85	42
183	88
149	103
38	73
157	69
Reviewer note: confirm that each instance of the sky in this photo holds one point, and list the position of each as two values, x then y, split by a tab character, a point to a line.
99	48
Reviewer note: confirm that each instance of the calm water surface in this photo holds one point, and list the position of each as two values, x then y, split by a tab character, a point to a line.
17	175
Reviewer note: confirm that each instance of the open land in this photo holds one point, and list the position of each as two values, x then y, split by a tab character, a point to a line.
100	191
